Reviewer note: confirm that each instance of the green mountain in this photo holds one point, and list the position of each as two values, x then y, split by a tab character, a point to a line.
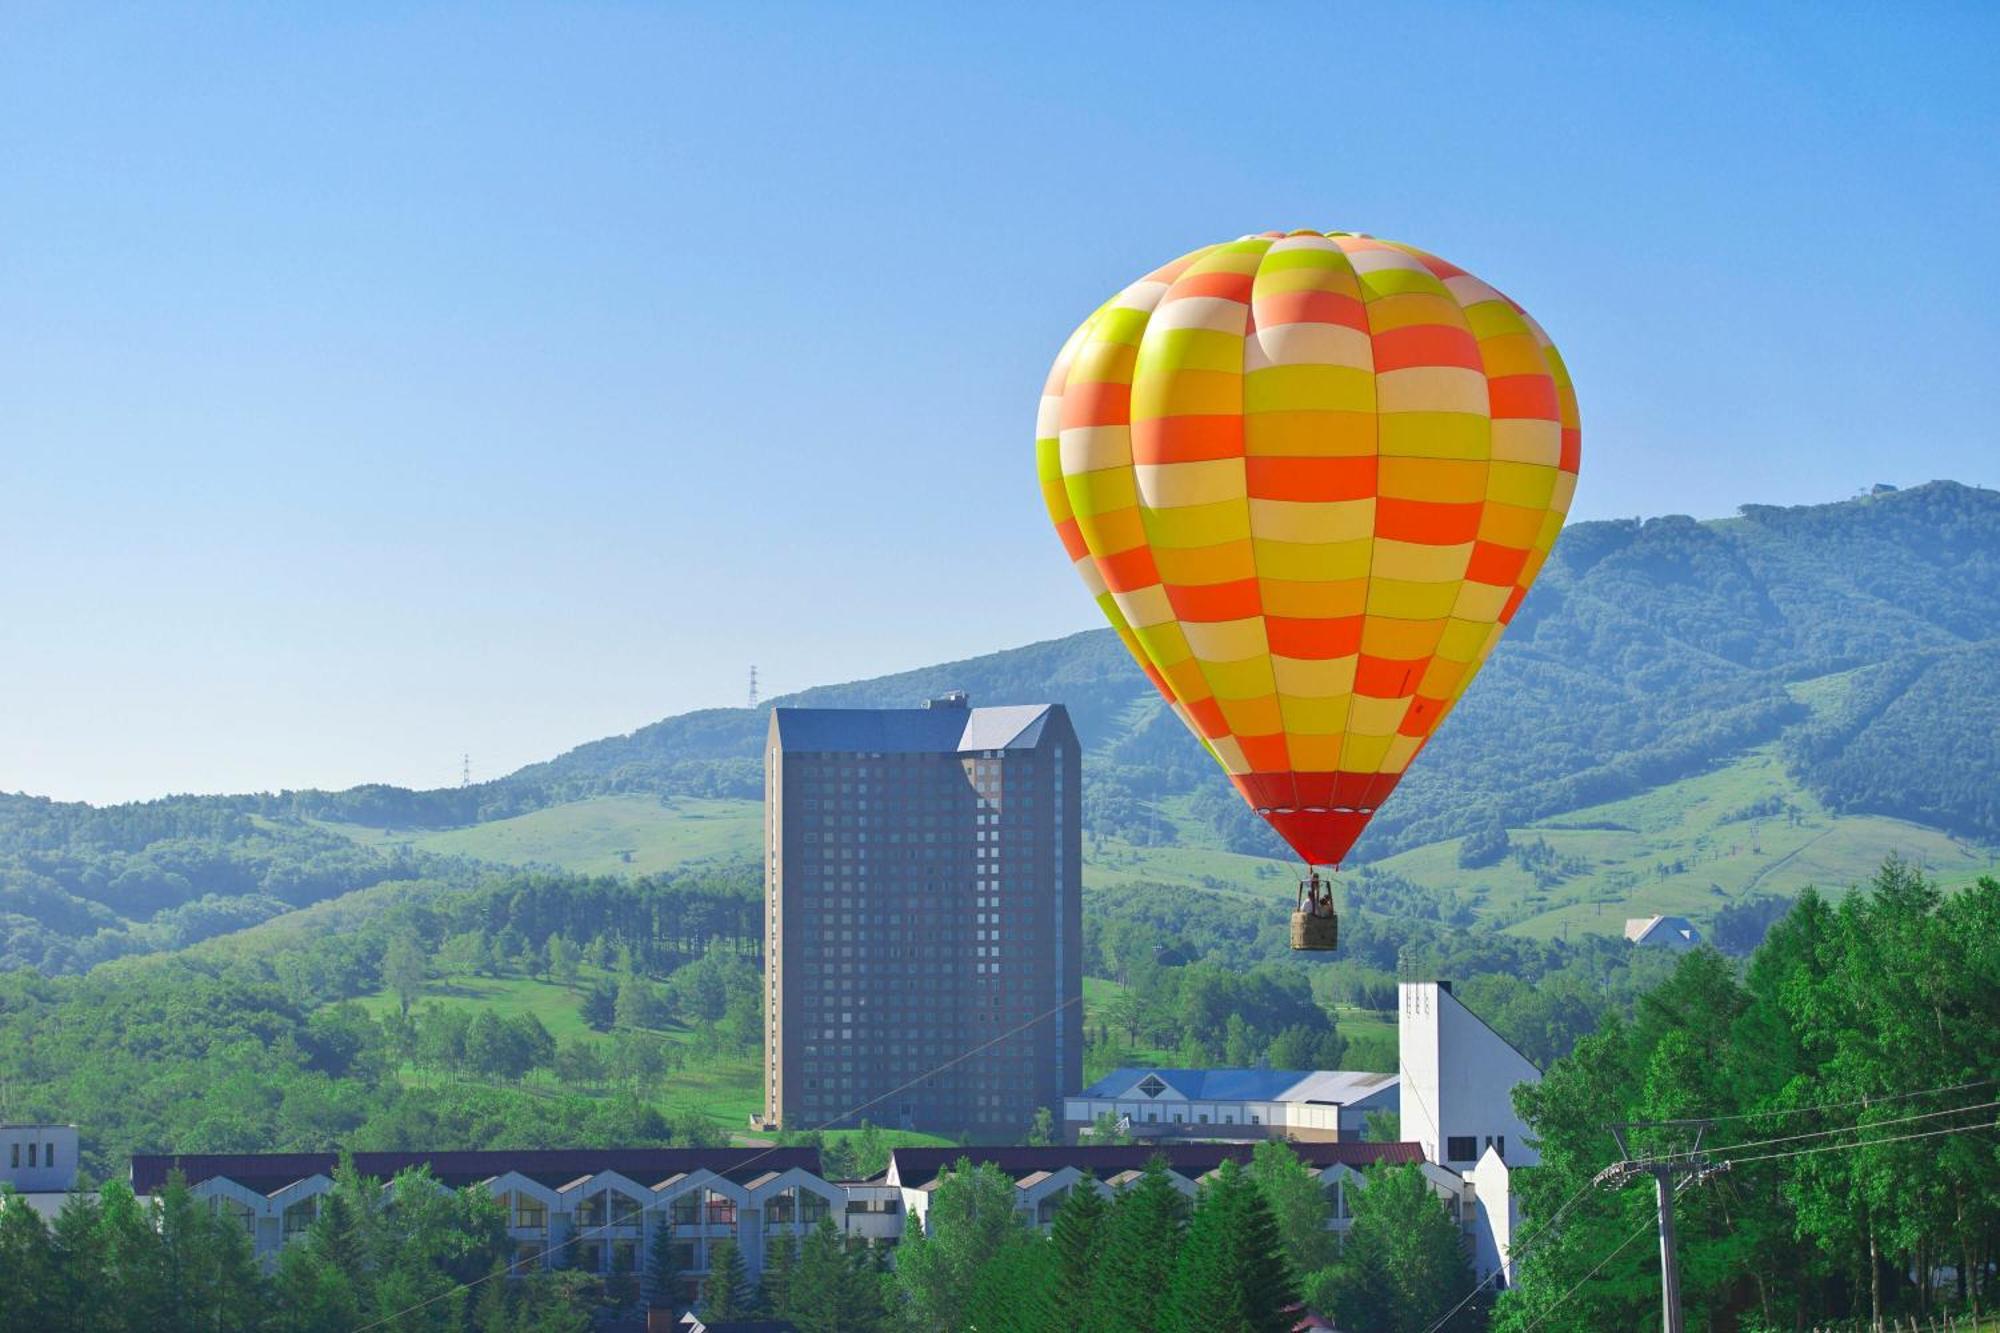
1683	714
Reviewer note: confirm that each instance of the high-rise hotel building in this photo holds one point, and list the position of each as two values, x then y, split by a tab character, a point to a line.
923	917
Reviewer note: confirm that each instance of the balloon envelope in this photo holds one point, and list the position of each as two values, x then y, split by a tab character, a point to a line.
1309	478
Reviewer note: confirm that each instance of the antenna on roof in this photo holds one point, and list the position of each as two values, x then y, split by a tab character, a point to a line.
753	684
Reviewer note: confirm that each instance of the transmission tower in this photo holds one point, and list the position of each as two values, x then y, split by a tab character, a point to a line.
465	769
1690	1167
753	684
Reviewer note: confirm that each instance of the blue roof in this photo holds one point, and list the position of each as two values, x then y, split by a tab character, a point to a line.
1206	1085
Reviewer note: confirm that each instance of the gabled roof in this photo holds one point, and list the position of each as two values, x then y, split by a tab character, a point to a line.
1639	929
912	730
918	1168
269	1172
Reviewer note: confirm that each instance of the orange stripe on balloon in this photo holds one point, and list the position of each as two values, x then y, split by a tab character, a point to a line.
1096	404
1125	571
1207	715
1495	565
1311	308
1423	716
1427	522
1271	477
1572	450
1187	439
1388	677
1235	600
1314	640
1514	600
1523	396
1229	286
1426	345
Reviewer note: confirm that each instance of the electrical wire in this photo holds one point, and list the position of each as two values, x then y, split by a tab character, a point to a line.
603	1228
1513	1252
1842	1106
1823	1133
1732	1163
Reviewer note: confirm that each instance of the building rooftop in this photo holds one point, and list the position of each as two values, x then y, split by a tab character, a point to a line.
1247	1085
915	1168
950	729
555	1168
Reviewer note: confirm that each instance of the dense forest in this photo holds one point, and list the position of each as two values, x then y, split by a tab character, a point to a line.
1850	1074
1857	636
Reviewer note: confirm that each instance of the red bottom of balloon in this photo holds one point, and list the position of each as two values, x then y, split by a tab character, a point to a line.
1322	837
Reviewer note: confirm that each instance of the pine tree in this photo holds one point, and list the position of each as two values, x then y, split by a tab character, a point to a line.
1142	1243
781	1259
662	1275
829	1292
1232	1274
1008	1296
1064	1296
725	1293
1298	1204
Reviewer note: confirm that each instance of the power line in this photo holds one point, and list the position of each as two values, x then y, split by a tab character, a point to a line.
1578	1285
599	1230
1513	1253
1848	1129
1862	1143
1744	1161
1842	1106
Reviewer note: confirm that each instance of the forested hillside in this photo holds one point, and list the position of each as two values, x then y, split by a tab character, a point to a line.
1859	642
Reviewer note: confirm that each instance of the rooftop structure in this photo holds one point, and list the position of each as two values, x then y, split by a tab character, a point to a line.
1303	1105
1672	932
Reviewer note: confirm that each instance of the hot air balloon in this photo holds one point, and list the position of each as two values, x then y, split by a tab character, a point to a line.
1309	477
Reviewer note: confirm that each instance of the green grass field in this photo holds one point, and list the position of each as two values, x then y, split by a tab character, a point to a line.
1680	848
607	835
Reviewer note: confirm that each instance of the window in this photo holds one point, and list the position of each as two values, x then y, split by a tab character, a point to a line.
1152	1087
1461	1148
16	1158
31	1156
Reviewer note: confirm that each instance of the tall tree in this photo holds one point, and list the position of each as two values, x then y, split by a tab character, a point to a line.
971	1216
1142	1245
830	1291
725	1292
1298	1205
1231	1272
404	969
1403	1264
31	1294
1064	1282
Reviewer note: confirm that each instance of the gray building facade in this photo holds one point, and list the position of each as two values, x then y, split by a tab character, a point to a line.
923	917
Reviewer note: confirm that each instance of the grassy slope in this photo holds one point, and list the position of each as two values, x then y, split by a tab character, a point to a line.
728	1091
608	835
1672	849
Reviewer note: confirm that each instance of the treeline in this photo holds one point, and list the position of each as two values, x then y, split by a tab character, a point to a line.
1850	1072
1250	1250
436	1260
253	1042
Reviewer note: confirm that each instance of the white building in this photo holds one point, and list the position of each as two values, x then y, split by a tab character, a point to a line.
1665	932
1321	1106
38	1159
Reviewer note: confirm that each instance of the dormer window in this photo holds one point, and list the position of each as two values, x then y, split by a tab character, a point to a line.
1152	1087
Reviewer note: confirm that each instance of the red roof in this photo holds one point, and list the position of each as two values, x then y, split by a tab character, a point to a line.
915	1167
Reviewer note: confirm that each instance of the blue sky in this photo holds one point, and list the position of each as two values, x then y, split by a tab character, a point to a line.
379	383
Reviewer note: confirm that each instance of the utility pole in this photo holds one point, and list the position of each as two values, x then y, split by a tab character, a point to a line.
1692	1169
